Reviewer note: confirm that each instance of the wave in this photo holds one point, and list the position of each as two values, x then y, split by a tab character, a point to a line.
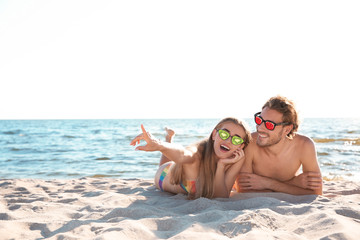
348	141
15	132
333	178
323	154
68	136
102	158
15	149
101	176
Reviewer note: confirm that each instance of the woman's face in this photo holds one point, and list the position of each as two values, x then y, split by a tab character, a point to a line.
226	148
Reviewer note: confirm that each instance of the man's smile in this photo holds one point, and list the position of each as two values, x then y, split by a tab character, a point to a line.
263	135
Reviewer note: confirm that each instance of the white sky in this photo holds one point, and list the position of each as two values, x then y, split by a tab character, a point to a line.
177	59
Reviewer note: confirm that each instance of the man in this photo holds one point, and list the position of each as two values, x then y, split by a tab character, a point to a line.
277	153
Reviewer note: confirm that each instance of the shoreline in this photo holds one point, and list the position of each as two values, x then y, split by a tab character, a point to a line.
109	208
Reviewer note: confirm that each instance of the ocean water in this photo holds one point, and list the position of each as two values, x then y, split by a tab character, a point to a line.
49	149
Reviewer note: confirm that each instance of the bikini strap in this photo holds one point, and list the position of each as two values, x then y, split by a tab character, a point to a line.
189	186
163	175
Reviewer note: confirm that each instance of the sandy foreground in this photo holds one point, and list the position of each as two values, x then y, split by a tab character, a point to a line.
98	208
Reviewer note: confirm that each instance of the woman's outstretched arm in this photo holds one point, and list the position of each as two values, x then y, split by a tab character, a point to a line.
174	152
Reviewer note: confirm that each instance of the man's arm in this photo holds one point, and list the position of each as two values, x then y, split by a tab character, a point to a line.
307	183
256	183
311	178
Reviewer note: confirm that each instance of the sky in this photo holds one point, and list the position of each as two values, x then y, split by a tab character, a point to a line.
177	59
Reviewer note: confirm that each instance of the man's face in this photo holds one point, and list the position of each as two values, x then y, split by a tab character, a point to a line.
268	137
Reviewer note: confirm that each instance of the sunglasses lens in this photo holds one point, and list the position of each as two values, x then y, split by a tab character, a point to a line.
258	120
270	125
237	140
223	134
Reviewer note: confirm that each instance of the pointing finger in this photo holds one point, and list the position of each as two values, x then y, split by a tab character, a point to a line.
140	148
136	140
145	133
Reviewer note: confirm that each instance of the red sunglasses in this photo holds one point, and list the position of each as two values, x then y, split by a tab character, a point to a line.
270	125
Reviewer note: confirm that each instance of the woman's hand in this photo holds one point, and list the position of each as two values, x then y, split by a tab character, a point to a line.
226	172
153	144
238	156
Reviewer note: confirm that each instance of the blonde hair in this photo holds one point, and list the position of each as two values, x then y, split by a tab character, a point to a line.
208	162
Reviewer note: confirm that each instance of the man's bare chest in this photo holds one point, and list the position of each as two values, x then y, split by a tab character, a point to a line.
282	168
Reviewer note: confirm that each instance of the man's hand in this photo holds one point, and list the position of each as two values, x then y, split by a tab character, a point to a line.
250	181
308	180
304	184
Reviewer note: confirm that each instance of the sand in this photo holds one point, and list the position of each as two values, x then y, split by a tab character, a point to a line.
98	208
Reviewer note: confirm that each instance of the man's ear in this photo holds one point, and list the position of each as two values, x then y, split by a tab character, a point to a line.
288	128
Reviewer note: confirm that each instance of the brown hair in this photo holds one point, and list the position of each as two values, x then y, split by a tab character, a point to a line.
287	108
208	162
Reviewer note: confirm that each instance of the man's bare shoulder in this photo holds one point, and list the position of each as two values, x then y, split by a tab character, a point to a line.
252	143
251	148
302	139
304	143
308	157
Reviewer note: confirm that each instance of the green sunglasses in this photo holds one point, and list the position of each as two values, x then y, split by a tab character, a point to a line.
223	134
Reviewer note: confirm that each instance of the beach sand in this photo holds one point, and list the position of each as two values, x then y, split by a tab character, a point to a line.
106	208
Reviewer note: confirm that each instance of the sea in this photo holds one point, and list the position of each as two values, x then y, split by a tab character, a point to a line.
66	149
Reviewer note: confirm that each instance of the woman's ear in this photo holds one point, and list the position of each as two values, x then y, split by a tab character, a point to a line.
242	146
214	134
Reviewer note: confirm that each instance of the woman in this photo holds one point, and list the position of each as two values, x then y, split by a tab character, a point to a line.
205	169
